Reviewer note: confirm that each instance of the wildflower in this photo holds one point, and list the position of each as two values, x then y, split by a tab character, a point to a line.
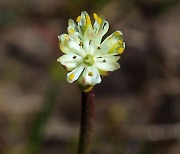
87	57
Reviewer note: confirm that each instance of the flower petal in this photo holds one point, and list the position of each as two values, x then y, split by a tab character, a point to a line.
100	29
74	75
73	29
87	39
91	76
98	22
70	44
70	61
98	36
84	21
107	63
113	44
107	58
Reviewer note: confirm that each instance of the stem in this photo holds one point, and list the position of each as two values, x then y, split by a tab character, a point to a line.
87	122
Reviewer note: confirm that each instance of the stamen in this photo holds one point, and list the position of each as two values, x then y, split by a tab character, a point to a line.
120	50
120	42
116	34
66	37
95	16
78	18
113	48
71	77
98	19
88	89
104	73
90	73
88	21
71	30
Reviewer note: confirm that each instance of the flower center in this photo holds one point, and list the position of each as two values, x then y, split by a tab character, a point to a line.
88	60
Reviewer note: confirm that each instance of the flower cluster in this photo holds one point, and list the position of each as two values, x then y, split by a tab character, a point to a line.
86	57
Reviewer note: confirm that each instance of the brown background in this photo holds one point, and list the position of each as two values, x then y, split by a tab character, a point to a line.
137	106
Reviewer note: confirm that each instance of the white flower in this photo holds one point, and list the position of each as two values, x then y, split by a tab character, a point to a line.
87	57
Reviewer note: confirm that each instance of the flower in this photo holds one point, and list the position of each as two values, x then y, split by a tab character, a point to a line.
86	57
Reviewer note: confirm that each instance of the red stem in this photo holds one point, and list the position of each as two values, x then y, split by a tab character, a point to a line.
87	122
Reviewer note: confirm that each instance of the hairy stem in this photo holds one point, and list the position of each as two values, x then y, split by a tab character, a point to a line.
87	122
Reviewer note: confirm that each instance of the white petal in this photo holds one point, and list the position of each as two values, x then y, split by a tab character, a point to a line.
107	58
99	35
70	44
91	76
74	75
112	44
107	63
98	22
82	23
88	38
70	61
72	24
73	30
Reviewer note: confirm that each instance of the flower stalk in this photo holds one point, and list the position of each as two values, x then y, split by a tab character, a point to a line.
87	58
87	122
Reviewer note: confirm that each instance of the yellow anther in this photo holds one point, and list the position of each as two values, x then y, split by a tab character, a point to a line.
90	73
60	45
114	47
71	30
98	19
88	89
95	16
120	50
116	34
88	20
66	37
103	73
71	77
120	42
78	18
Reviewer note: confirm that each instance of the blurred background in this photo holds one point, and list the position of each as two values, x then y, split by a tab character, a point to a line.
137	106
